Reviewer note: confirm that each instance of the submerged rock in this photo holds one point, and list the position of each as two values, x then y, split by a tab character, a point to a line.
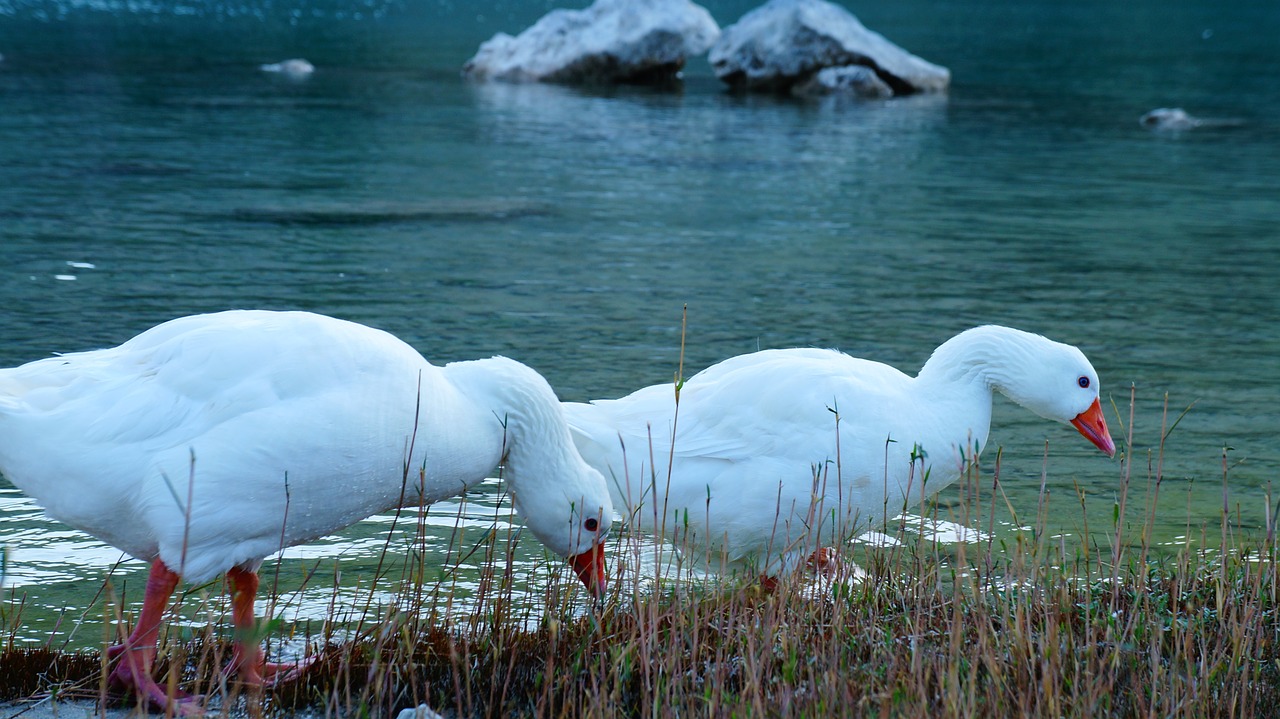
787	42
613	41
376	213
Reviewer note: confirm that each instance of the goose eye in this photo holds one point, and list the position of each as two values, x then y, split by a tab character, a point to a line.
591	524
1083	382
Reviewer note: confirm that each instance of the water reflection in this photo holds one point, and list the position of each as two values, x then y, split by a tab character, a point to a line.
704	136
319	581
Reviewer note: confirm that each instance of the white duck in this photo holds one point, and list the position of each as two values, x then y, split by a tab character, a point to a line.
209	442
757	476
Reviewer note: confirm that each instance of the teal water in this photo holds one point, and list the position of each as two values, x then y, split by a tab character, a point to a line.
569	228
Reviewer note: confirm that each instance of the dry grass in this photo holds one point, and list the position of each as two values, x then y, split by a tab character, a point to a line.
1020	626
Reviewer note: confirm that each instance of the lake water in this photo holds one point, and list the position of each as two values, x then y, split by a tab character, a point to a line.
149	170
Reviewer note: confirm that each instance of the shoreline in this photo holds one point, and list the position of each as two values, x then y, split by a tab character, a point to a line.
71	708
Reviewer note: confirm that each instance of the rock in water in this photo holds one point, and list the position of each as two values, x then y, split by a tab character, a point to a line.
613	41
295	67
1169	118
785	42
422	711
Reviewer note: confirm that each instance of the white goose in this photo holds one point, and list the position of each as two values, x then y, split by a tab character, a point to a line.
209	442
757	477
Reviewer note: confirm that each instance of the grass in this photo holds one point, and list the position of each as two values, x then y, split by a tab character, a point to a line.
1020	625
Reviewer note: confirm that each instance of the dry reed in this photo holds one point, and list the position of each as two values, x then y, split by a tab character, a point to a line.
1015	625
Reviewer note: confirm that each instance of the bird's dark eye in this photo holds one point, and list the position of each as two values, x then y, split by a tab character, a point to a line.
1083	382
591	524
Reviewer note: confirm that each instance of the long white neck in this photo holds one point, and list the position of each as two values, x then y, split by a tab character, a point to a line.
991	356
537	446
552	487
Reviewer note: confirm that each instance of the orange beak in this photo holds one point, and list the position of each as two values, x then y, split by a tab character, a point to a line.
1094	428
590	569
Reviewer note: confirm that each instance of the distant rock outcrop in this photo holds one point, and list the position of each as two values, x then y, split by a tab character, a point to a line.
784	45
613	41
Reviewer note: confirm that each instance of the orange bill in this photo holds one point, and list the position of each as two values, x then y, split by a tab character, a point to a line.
1093	426
591	570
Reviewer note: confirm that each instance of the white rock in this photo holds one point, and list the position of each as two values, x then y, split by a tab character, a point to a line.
422	711
787	41
1169	118
847	80
613	41
295	67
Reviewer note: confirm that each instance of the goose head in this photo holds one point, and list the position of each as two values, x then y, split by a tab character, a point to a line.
573	520
564	501
1057	382
1052	379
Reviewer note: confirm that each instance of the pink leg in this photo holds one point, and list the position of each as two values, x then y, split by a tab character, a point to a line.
246	659
137	653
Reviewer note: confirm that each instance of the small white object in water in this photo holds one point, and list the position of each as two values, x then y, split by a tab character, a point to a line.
422	711
81	265
1169	118
296	67
65	278
878	539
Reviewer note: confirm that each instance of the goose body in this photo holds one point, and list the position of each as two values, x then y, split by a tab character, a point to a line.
775	453
209	442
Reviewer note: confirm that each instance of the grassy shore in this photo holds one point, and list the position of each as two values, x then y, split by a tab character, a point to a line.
922	634
1020	625
1183	638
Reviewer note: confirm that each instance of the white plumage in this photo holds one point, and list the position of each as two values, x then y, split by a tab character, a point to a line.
210	442
776	453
